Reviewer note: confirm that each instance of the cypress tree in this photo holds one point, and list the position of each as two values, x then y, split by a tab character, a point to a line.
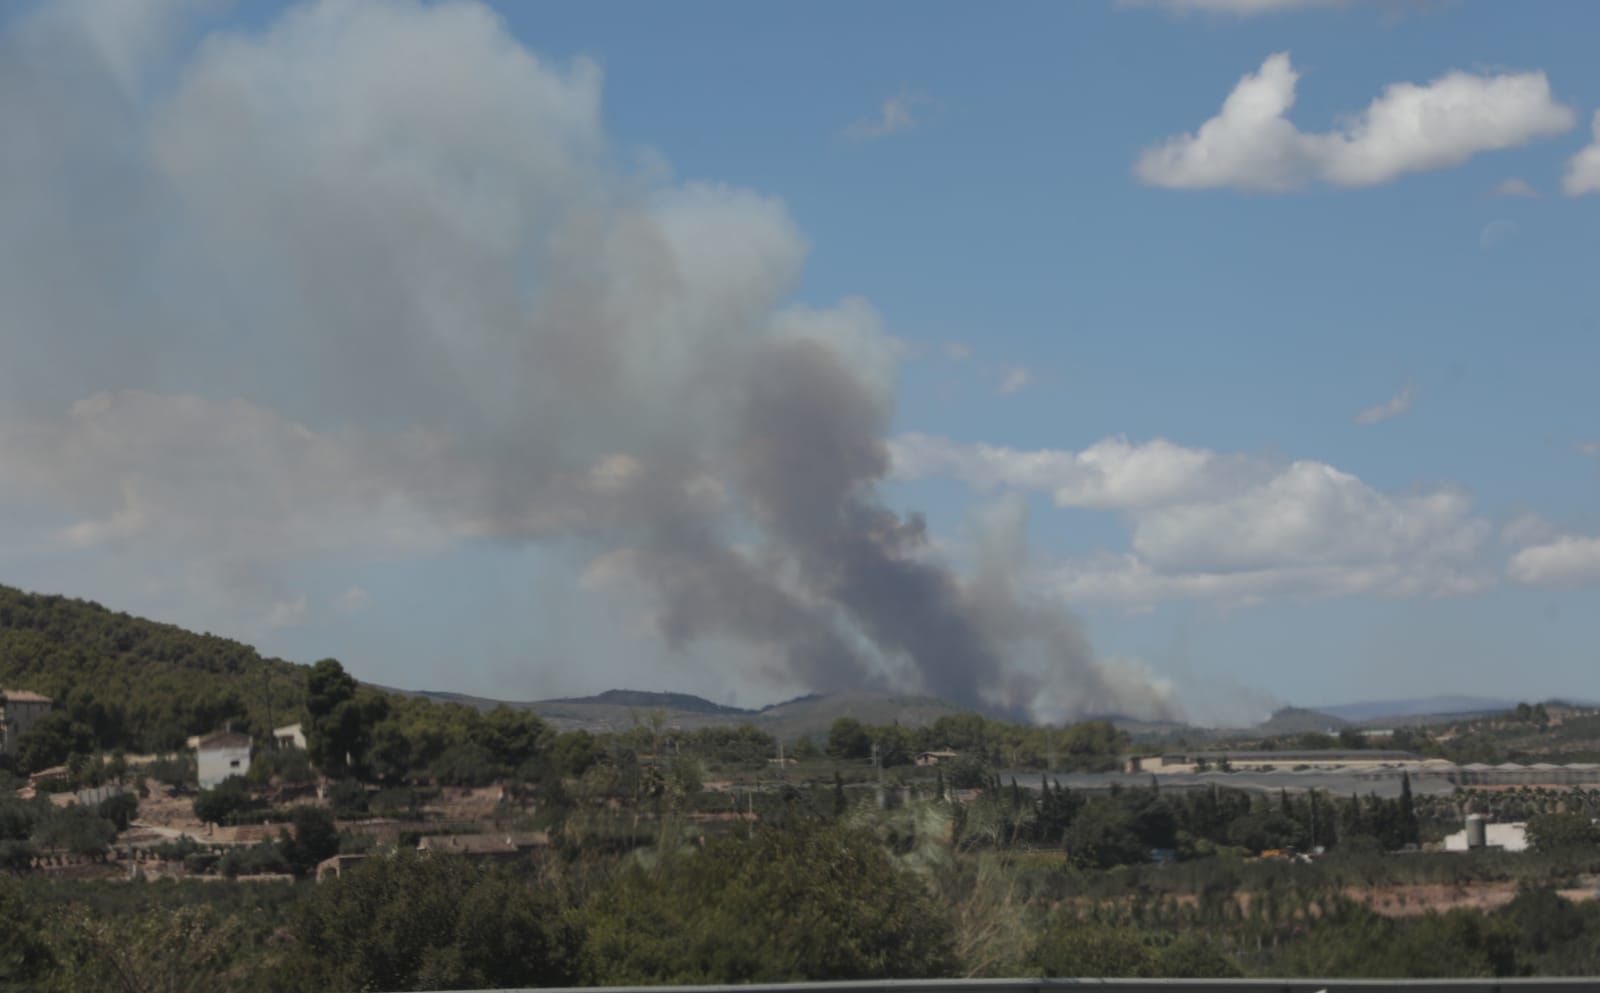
1408	811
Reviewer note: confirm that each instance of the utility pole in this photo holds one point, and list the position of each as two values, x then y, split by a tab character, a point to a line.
877	766
1313	819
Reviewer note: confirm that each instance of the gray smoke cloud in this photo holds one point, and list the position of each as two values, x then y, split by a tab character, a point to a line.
373	277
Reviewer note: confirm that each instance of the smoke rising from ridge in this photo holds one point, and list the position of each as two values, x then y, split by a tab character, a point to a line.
384	254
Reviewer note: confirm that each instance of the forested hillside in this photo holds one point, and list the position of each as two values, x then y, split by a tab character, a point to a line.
136	684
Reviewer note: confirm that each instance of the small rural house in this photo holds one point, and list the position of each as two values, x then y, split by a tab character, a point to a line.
334	866
18	710
220	755
289	736
488	846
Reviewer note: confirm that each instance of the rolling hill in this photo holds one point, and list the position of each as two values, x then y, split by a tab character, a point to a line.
146	686
139	684
1433	706
812	714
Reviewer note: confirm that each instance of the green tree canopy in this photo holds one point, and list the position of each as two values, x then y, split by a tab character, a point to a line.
849	739
418	922
815	901
1553	832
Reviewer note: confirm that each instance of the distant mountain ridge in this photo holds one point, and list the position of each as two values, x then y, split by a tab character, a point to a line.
654	699
1448	704
153	684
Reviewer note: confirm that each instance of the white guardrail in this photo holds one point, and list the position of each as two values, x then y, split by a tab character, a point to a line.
1572	985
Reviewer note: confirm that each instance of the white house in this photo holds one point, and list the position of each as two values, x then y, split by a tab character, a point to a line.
222	754
289	736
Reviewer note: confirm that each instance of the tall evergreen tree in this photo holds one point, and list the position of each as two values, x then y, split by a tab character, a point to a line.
1409	828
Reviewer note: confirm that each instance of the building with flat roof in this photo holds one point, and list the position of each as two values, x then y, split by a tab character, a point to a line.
484	845
18	710
1270	760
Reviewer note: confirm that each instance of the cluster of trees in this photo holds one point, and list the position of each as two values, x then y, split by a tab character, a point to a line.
1556	832
357	732
815	900
803	897
1347	739
1090	746
1125	826
30	828
1319	934
122	682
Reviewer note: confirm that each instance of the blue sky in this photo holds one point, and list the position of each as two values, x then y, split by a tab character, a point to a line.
1156	338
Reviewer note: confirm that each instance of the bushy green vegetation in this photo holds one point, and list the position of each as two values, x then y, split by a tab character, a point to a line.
122	682
801	897
815	901
1558	831
1089	746
32	828
1124	826
689	856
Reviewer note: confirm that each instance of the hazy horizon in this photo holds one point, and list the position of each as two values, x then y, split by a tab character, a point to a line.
529	352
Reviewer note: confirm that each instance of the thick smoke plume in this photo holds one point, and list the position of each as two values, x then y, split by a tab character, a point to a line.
374	270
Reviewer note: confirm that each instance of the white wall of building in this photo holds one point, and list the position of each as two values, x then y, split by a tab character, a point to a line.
218	763
1510	837
291	736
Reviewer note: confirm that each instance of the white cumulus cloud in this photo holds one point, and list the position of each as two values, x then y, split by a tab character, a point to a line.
1583	169
1228	527
1570	560
1111	474
1252	145
1396	405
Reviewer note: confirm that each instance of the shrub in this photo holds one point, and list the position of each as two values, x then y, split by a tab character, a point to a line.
1554	832
414	922
120	809
220	804
815	901
262	857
